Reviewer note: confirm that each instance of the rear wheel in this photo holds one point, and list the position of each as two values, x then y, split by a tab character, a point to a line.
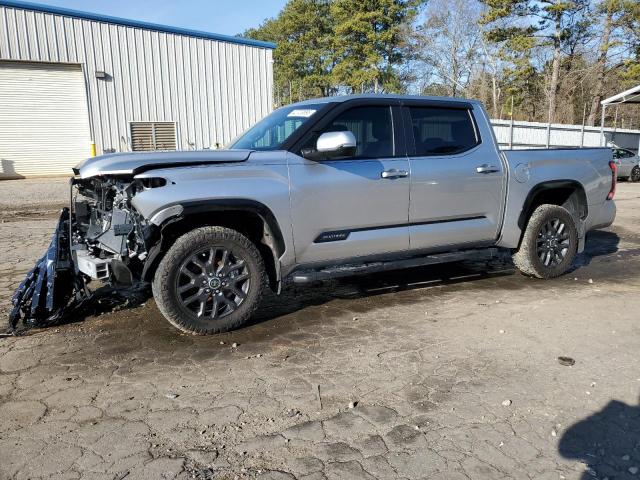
549	243
211	280
635	174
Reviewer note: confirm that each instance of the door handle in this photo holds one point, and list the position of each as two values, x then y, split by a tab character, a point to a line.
486	168
393	173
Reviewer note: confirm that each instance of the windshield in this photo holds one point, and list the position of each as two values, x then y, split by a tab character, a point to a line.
271	132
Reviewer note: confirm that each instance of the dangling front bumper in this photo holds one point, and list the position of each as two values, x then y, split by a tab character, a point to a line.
53	286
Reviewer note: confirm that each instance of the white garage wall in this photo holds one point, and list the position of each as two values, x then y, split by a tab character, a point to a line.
213	89
44	123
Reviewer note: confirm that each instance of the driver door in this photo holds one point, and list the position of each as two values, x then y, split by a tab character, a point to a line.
355	207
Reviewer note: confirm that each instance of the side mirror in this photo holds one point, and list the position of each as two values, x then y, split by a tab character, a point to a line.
331	145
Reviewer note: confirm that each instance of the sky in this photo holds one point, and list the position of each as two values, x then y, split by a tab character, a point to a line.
229	17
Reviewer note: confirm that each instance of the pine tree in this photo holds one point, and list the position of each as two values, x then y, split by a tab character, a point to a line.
368	42
303	58
524	25
610	13
630	22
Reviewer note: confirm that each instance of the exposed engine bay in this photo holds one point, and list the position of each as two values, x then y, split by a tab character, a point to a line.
100	237
109	236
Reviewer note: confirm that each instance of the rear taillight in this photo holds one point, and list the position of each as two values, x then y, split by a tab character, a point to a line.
614	180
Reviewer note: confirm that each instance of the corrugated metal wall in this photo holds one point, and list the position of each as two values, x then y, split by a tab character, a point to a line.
44	123
534	135
212	89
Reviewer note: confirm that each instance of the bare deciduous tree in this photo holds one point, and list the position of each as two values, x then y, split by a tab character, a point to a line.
450	43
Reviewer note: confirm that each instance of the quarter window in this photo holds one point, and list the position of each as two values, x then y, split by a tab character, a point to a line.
442	131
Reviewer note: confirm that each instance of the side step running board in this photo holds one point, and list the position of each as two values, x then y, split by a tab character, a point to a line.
308	276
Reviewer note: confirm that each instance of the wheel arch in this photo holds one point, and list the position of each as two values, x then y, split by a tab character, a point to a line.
569	194
251	218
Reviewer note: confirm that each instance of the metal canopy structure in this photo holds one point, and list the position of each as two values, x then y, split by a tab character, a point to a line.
631	96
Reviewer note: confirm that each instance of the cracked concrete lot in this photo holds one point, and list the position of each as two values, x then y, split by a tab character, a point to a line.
451	373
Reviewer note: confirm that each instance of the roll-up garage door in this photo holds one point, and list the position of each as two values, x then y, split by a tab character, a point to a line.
44	121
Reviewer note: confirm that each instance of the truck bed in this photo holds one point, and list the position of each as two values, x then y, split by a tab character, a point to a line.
532	168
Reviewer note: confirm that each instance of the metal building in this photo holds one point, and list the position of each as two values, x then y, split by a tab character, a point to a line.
73	81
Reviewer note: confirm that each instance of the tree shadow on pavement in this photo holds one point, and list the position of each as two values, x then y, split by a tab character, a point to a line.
608	442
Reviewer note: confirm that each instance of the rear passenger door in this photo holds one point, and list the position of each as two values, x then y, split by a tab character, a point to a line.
457	177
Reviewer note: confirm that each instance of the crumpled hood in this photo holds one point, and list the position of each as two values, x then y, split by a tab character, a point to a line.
135	163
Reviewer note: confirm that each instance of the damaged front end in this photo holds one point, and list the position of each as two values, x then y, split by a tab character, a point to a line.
52	285
99	237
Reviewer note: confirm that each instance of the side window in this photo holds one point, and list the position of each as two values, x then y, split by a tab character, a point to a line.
442	131
626	154
372	127
617	154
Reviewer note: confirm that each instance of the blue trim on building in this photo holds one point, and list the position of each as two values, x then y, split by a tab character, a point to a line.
133	23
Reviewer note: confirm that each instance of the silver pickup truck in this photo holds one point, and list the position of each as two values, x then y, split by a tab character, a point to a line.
319	189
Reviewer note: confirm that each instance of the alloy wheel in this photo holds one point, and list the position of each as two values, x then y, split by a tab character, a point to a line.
553	243
213	282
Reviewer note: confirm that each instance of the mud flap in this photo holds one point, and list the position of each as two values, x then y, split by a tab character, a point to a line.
52	287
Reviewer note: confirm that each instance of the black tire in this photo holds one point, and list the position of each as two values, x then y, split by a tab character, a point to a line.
180	277
635	174
542	253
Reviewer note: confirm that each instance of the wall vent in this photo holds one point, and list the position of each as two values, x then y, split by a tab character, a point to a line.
150	136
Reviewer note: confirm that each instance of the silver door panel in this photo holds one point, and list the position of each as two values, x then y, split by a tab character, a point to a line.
359	243
465	185
457	232
348	195
450	187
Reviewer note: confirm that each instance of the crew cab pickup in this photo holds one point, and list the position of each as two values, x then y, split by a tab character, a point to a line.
318	189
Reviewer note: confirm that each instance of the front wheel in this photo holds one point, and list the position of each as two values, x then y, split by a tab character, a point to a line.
210	281
635	174
549	244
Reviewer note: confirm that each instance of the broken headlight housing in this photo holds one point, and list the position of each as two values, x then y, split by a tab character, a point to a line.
100	237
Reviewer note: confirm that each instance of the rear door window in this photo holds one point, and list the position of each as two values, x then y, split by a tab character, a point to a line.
442	131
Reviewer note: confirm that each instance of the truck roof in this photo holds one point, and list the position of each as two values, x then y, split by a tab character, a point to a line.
345	98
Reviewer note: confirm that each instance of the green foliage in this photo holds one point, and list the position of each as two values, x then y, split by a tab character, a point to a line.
630	22
304	55
326	46
535	23
368	42
541	56
523	27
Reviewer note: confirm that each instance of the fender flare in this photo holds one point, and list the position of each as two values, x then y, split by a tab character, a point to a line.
550	185
272	234
546	186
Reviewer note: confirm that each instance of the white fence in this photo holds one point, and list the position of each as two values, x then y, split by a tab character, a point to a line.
519	135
